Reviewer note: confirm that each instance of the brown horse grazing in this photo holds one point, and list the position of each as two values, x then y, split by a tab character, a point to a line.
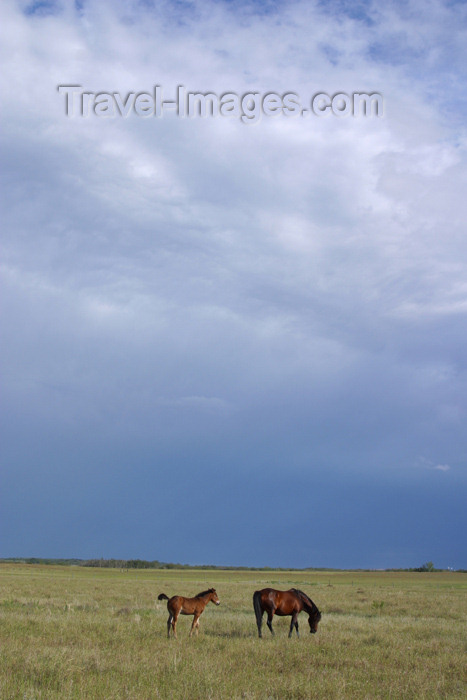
290	602
187	606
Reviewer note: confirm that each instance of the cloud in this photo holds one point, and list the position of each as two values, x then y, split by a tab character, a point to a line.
428	464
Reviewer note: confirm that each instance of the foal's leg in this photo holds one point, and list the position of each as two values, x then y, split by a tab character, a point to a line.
195	624
270	616
169	623
293	624
174	624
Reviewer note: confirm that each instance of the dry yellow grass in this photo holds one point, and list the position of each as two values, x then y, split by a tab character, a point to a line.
69	632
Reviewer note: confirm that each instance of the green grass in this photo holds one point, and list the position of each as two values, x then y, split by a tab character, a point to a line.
72	632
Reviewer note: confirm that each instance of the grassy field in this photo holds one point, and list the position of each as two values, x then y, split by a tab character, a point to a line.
71	632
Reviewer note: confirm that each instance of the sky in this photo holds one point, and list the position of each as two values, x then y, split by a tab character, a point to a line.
235	341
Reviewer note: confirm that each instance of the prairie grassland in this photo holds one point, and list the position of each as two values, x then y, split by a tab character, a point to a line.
70	632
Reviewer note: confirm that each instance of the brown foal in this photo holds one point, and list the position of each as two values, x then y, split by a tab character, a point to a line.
178	605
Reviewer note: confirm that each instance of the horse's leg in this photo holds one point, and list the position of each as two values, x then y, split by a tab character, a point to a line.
294	623
259	611
270	616
259	622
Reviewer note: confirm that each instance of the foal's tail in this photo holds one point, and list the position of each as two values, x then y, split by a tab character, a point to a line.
162	596
258	610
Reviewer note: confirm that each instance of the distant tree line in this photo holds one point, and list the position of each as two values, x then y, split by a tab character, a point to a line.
155	564
129	564
143	564
39	560
103	563
430	567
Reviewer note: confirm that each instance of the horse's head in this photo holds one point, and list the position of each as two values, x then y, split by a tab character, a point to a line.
313	620
214	597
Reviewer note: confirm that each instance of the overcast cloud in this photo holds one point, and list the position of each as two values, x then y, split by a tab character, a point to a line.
235	343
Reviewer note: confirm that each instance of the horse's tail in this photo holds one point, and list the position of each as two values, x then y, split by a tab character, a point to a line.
162	596
258	610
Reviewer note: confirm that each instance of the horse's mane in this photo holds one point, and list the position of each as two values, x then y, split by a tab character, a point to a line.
307	600
200	595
